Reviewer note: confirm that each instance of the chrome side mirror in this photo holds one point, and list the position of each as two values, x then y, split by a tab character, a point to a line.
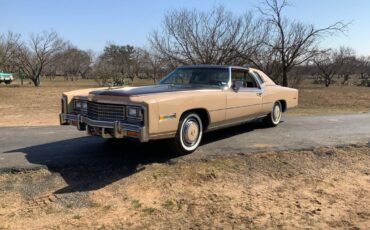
237	85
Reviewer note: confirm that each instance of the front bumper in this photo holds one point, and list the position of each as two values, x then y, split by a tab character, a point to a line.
105	129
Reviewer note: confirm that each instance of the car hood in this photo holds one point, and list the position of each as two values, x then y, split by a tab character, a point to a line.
144	90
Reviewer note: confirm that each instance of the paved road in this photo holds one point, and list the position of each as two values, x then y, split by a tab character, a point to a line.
60	147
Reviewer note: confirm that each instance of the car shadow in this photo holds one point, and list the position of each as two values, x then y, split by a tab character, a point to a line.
233	131
90	163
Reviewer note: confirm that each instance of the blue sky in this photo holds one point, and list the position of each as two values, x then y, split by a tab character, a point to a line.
91	24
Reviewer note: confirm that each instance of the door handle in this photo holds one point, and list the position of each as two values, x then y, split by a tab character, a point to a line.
259	93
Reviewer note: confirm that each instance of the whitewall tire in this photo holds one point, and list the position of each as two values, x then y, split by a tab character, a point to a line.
189	134
273	118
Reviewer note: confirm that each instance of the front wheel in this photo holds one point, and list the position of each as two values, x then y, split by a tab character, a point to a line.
273	118
189	134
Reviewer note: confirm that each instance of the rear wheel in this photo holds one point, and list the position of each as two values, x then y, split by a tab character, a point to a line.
273	118
189	134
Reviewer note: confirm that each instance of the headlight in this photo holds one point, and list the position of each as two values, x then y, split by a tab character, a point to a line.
84	105
134	112
80	106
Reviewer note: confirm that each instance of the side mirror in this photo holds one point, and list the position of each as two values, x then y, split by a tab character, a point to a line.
237	85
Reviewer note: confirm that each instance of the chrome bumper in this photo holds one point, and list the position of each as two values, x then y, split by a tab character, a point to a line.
105	129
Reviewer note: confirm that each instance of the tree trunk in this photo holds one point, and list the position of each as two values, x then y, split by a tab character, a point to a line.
327	82
154	77
345	79
36	81
285	78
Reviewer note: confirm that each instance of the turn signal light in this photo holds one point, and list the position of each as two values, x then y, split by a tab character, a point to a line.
133	134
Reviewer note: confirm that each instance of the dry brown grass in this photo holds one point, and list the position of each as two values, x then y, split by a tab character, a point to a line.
317	189
28	105
334	99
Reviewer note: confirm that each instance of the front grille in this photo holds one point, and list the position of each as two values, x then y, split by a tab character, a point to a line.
105	112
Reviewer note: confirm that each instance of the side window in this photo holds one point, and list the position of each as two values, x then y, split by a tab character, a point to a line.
251	81
243	75
259	78
238	75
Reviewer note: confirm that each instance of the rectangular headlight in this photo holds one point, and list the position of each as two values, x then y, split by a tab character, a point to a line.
80	106
134	112
84	105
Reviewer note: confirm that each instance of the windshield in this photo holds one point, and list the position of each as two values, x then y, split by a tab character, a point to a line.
198	76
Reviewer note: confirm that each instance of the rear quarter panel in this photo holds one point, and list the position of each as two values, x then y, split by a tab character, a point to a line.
273	93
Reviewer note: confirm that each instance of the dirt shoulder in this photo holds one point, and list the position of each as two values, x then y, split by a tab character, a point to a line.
31	106
322	188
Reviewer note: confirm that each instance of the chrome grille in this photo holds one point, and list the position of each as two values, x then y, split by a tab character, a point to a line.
105	112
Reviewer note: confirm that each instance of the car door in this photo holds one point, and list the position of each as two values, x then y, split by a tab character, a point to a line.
245	102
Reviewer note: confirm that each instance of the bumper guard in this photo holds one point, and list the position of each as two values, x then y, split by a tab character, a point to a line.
106	129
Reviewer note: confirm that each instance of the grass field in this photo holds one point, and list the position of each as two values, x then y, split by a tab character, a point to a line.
315	99
323	188
28	105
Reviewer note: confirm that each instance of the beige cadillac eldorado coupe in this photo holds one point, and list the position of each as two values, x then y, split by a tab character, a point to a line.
186	103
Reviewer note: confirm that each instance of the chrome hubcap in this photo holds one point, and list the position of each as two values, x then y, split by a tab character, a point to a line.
190	132
276	115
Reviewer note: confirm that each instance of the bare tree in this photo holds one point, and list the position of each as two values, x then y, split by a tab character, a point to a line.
326	66
364	66
267	59
71	62
104	73
215	37
33	57
347	63
364	70
298	74
8	44
157	68
152	66
331	63
295	42
137	63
